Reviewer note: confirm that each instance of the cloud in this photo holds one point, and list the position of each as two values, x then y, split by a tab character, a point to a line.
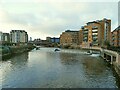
42	19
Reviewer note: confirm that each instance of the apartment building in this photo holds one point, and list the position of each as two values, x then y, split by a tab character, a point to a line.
4	38
80	37
53	39
69	38
1	34
95	33
115	37
18	36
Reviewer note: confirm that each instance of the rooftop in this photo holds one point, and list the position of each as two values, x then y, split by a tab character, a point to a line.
71	31
118	28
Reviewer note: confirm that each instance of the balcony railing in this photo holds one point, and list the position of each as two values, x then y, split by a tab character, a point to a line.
95	36
94	31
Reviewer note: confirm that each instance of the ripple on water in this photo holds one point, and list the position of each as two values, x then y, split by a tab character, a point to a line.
64	69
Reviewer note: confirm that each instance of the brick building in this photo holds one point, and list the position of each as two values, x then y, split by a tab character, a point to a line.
115	37
69	38
96	32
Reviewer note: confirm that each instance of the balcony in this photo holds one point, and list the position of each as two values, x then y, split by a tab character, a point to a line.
94	31
85	40
85	35
85	32
94	27
85	29
94	36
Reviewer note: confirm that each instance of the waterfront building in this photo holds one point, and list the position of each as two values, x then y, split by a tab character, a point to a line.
96	33
30	38
80	37
69	38
1	37
55	40
48	39
115	37
18	36
1	34
6	38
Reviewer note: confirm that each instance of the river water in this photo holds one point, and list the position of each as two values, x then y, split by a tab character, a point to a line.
46	68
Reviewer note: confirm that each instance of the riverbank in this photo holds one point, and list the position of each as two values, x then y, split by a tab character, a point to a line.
8	51
115	63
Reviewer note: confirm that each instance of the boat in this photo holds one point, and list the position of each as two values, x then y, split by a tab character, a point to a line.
56	50
89	52
37	48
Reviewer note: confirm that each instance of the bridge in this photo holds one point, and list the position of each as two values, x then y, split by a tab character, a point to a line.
111	56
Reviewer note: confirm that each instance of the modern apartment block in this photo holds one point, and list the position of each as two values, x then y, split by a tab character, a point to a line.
1	34
80	37
53	39
96	32
18	36
115	37
69	38
4	38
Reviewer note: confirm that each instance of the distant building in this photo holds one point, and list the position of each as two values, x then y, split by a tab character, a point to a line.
96	32
30	38
80	37
48	39
69	38
55	40
37	41
115	37
18	36
1	35
6	38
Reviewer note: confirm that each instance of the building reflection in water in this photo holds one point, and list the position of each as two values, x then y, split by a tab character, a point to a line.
14	65
23	59
93	66
68	58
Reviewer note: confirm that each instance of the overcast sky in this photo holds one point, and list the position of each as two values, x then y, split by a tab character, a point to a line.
42	18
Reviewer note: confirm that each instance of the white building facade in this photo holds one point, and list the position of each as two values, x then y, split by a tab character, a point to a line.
1	35
18	36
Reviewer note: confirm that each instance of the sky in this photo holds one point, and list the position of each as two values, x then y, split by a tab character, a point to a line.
43	18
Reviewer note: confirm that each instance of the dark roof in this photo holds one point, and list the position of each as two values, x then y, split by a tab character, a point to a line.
92	22
118	28
71	31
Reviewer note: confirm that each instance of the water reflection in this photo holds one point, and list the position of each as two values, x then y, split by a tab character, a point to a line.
48	69
13	67
94	65
68	59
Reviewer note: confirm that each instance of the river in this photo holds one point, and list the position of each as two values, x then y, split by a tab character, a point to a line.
46	68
